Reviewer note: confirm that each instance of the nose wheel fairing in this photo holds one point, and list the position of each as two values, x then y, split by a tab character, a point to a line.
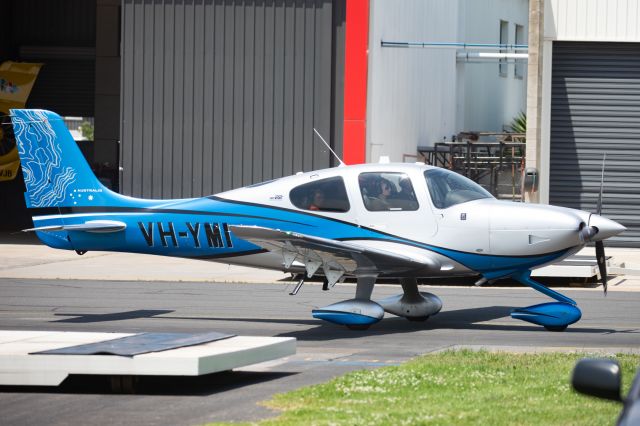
554	316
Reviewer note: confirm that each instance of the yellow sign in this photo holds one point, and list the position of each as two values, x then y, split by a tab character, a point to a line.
16	82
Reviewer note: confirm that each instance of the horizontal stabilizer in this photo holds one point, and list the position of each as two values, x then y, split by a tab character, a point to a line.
97	226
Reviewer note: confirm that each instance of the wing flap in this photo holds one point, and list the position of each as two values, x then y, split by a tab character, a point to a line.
330	255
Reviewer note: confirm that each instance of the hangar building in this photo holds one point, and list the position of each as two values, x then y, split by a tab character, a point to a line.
589	104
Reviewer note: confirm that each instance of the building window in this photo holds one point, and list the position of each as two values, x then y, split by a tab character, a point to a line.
326	195
504	39
520	64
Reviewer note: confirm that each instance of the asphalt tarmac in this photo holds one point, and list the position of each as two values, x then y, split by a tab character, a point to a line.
471	317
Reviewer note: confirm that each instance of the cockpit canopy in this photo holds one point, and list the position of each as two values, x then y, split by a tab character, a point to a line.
391	190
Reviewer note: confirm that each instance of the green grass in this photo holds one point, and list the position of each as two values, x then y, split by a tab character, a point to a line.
454	388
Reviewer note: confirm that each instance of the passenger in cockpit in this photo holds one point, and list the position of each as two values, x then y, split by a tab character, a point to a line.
317	200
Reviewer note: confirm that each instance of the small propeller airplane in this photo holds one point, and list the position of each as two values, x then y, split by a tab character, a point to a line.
368	221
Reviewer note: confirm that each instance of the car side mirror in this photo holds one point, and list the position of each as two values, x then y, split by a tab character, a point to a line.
598	377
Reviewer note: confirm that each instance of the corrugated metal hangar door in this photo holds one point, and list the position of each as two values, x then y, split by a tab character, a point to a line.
217	94
595	109
60	34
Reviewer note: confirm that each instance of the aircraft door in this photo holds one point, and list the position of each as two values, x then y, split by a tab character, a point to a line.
390	203
461	211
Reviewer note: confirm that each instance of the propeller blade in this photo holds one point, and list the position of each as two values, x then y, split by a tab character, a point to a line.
604	157
602	265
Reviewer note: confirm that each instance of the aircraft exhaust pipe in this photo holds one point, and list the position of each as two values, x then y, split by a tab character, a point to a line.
587	232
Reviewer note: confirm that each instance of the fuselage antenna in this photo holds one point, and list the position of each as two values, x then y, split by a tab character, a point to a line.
327	145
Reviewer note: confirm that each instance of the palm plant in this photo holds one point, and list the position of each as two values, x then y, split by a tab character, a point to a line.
519	123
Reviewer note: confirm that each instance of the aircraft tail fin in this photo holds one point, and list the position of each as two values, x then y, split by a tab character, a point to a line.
55	172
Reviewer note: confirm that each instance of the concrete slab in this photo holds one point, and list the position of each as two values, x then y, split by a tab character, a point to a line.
19	366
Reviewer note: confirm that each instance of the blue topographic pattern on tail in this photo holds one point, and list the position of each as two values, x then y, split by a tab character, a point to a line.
45	175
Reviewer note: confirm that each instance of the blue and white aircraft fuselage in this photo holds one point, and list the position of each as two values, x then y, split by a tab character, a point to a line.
367	221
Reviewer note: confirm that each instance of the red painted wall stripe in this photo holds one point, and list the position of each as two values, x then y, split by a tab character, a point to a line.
355	81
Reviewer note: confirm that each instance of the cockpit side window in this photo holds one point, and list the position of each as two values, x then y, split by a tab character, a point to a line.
387	192
325	195
449	188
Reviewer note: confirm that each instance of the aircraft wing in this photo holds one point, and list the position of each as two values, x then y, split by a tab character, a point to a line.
336	258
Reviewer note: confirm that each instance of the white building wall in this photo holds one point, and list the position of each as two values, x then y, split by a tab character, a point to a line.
592	20
420	96
489	101
411	92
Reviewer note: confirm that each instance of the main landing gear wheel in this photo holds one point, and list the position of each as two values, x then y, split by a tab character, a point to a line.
556	328
358	327
418	319
356	314
413	305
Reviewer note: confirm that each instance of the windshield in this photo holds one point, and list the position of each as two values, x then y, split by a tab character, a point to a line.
448	188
